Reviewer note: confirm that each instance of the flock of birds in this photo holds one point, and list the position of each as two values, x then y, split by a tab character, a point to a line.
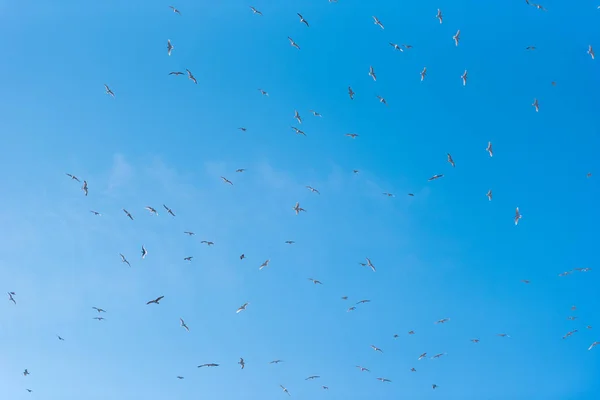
298	209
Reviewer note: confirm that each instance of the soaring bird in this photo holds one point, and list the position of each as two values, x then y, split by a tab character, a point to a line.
191	76
310	378
352	135
25	373
255	11
169	47
439	15
11	298
144	252
29	390
99	318
73	177
423	74
179	377
411	332
242	129
240	170
438	355
95	212
293	44
450	160
275	361
530	48
312	189
188	258
176	11
315	281
456	37
378	22
151	210
518	216
176	73
189	233
297	208
298	131
489	149
372	73
242	308
85	188
413	370
422	356
536	105
489	195
396	47
351	309
502	335
525	281
108	91
376	348
464	78
363	302
434	386
370	264
475	340
591	51
124	260
264	93
289	242
388	194
207	242
183	325
325	387
316	114
285	390
442	321
589	348
226	180
382	100
302	20
297	116
100	310
363	369
155	301
351	93
383	379
242	256
407	46
437	176
128	214
263	265
570	333
208	365
60	338
242	363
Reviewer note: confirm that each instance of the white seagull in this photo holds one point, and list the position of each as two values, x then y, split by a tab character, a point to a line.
169	47
124	260
456	37
423	74
263	265
242	308
183	325
591	51
489	149
377	22
372	73
255	11
293	44
518	216
297	208
536	105
297	116
464	78
489	195
191	76
439	15
108	91
144	252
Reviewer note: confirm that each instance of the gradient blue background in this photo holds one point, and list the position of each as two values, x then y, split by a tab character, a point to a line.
447	252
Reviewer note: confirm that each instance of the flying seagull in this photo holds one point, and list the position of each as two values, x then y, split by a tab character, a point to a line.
442	321
226	180
439	15
464	78
123	259
155	301
422	356
298	131
568	334
396	47
176	11
293	44
73	177
378	22
188	258
383	379
489	195
363	369
263	265
242	363
370	264
255	11
312	189
191	76
128	214
450	160
589	348
518	216
189	233
423	74
99	318
242	308
536	105
302	20
264	93
85	188
208	365
285	390
169	47
351	93
207	242
316	114
95	212
11	298
352	135
25	373
108	91
502	335
376	348
372	73
242	256
437	176
297	116
489	149
315	281
60	338
275	361
175	73
151	210
240	170
144	252
183	325
382	100
169	210
310	378
100	310
297	208
591	51
179	377
456	37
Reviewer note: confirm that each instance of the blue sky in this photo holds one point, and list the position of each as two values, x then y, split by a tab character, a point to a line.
447	252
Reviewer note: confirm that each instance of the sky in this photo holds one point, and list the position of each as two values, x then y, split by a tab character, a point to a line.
446	252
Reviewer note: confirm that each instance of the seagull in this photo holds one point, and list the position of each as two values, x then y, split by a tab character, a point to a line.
489	195
489	149
352	135
100	310
73	177
189	233
25	373
302	20
372	73
423	74
263	265
99	318
383	379
439	15
411	332
310	378
293	44
407	46
413	370
289	242
438	355
183	325
376	349
363	302
422	356
243	129
382	100
95	212
464	78
525	281
175	10
325	387
571	318
151	210
355	170
396	47
285	390
456	37
242	308
570	333
242	363
255	11
437	176
240	170
502	335
226	180
29	390
169	46
297	116
316	114
351	309
191	76
297	208
175	73
450	160
442	321
363	369
351	93
370	264
434	386
589	348
518	216
208	365
179	377
208	243
108	91
312	189
377	22
144	252
298	131
536	104
188	258
591	51
242	257
315	281
11	298
60	338
123	259
128	214
530	48
275	361
411	194
475	340
155	301
264	93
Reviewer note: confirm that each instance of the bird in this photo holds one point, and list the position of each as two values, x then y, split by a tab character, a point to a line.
179	377
411	332
363	302
25	373
591	51
155	301
275	361
242	363
298	131
407	46
191	76
530	48
382	100
518	216
169	47
464	78
255	11
176	11
376	348
450	160
73	177
297	116
302	20
243	129
242	257
372	73
413	369
325	387
383	379
297	208
124	260
60	338
475	340
183	325
240	170
207	242
151	210
370	264
108	91
438	355
355	171
437	176
315	281
100	310
316	114
351	309
351	93
489	195
29	390
423	74
568	334
95	212
208	365
489	149
536	105
11	297
144	252
411	194
589	348
456	37
525	281
312	189
310	378
293	44
285	390
352	135
263	265
439	15
189	233
128	214
378	22
442	321
363	369
396	336
226	180
289	242
188	258
396	47
242	308
99	318
434	386
264	93
502	335
176	73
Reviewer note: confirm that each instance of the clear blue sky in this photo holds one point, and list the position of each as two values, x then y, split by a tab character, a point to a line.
447	252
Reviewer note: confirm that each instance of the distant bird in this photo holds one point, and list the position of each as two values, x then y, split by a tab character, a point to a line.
489	195
169	47
363	369
570	333
73	177
240	170
285	390
363	302
99	318
489	149
175	10
450	160
411	332
275	361
242	257
591	51
242	308
396	336
422	356
100	310
312	189
188	258
456	37
530	48
207	242
289	242
151	210
382	100
264	93
407	46
315	281
297	116
242	363
29	390
518	216
434	386
128	214
376	348
378	22
438	355
255	11
372	73
464	78
108	91
25	373
176	73
502	335
191	76
316	114
124	260
298	131
352	135
302	20
351	309
411	194
589	348
370	264
226	180
189	233
310	378
413	370
536	105
144	252
355	171
525	281
383	379
588	175
442	321
85	188
571	318
179	377
439	15
293	44
11	298
263	265
438	176
183	325
208	365
60	338
423	74
95	212
396	47
325	387
297	208
475	340
351	93
155	301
